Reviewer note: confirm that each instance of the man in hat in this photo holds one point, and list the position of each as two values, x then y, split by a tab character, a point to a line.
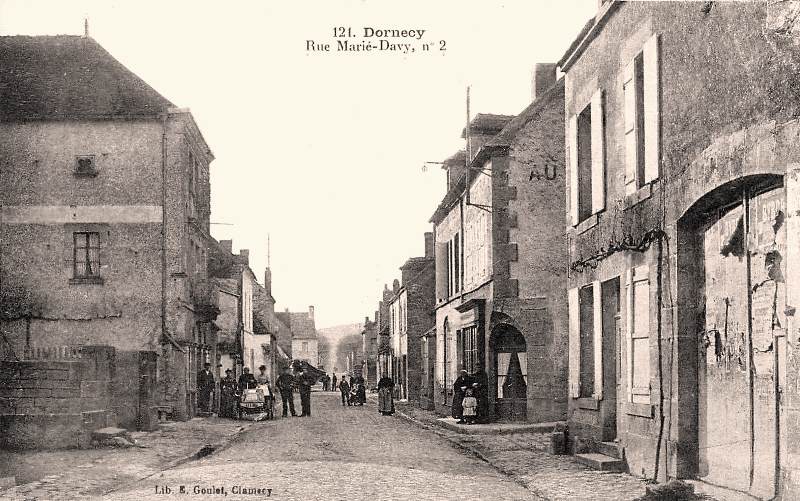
305	381
205	387
285	384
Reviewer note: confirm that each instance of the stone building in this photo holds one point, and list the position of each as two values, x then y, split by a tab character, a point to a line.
411	316
105	213
304	334
500	272
369	348
683	240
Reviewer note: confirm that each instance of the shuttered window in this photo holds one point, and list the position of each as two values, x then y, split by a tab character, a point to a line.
586	134
642	101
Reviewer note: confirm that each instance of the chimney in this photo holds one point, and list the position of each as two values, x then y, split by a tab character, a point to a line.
227	245
311	312
395	286
429	244
268	281
366	321
244	254
544	77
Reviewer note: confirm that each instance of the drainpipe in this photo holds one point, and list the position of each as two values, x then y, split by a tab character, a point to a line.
163	227
750	361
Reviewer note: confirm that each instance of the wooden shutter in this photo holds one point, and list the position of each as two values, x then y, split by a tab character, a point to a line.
574	343
572	150
597	314
628	333
441	271
652	109
598	154
631	142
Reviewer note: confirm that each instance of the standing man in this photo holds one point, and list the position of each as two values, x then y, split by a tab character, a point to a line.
333	385
304	382
205	387
345	389
285	384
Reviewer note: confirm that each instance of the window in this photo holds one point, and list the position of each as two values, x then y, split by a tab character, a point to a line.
638	291
585	341
454	264
587	160
304	346
85	166
469	349
641	89
86	255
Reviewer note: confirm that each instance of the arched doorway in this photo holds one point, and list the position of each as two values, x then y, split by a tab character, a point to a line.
730	257
511	372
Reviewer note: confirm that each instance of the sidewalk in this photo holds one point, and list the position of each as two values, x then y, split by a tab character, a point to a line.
523	456
80	473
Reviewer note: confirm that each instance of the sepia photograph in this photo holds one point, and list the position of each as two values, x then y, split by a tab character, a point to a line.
380	250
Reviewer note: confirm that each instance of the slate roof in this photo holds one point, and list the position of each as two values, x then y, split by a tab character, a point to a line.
66	76
300	324
487	123
510	131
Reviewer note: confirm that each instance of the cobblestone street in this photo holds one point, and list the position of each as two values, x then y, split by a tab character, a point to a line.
338	453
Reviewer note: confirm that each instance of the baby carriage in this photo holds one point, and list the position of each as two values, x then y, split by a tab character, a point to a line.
257	403
358	394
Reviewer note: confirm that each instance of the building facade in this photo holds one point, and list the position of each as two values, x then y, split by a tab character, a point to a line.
105	211
411	316
682	227
500	272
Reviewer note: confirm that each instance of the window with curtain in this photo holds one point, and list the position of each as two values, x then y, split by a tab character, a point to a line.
86	254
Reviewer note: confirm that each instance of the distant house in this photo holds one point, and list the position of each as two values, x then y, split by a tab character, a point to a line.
304	335
105	213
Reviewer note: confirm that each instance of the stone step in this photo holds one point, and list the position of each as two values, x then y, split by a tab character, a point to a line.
110	432
600	461
609	449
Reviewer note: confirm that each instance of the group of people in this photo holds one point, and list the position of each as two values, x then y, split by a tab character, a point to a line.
286	384
354	392
231	390
470	397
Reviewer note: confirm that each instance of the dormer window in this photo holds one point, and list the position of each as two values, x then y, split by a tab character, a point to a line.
85	166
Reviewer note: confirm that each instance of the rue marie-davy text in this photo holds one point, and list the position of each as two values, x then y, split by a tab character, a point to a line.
369	39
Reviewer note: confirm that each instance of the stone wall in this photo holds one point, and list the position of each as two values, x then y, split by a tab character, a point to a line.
56	403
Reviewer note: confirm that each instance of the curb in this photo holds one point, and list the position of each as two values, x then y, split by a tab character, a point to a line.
471	450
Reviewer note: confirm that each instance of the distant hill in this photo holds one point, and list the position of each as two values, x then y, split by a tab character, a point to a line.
338	332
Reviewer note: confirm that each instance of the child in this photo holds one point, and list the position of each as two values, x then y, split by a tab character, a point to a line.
469	405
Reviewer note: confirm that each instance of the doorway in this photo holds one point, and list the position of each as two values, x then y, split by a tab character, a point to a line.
511	362
738	241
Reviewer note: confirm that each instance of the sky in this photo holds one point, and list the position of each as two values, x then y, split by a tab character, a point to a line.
324	152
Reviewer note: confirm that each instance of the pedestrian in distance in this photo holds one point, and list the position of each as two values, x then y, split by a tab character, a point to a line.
333	383
205	388
229	395
469	405
285	384
344	388
361	391
304	383
386	396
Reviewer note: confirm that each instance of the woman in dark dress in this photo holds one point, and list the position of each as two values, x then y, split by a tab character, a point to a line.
482	395
386	396
229	395
463	382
